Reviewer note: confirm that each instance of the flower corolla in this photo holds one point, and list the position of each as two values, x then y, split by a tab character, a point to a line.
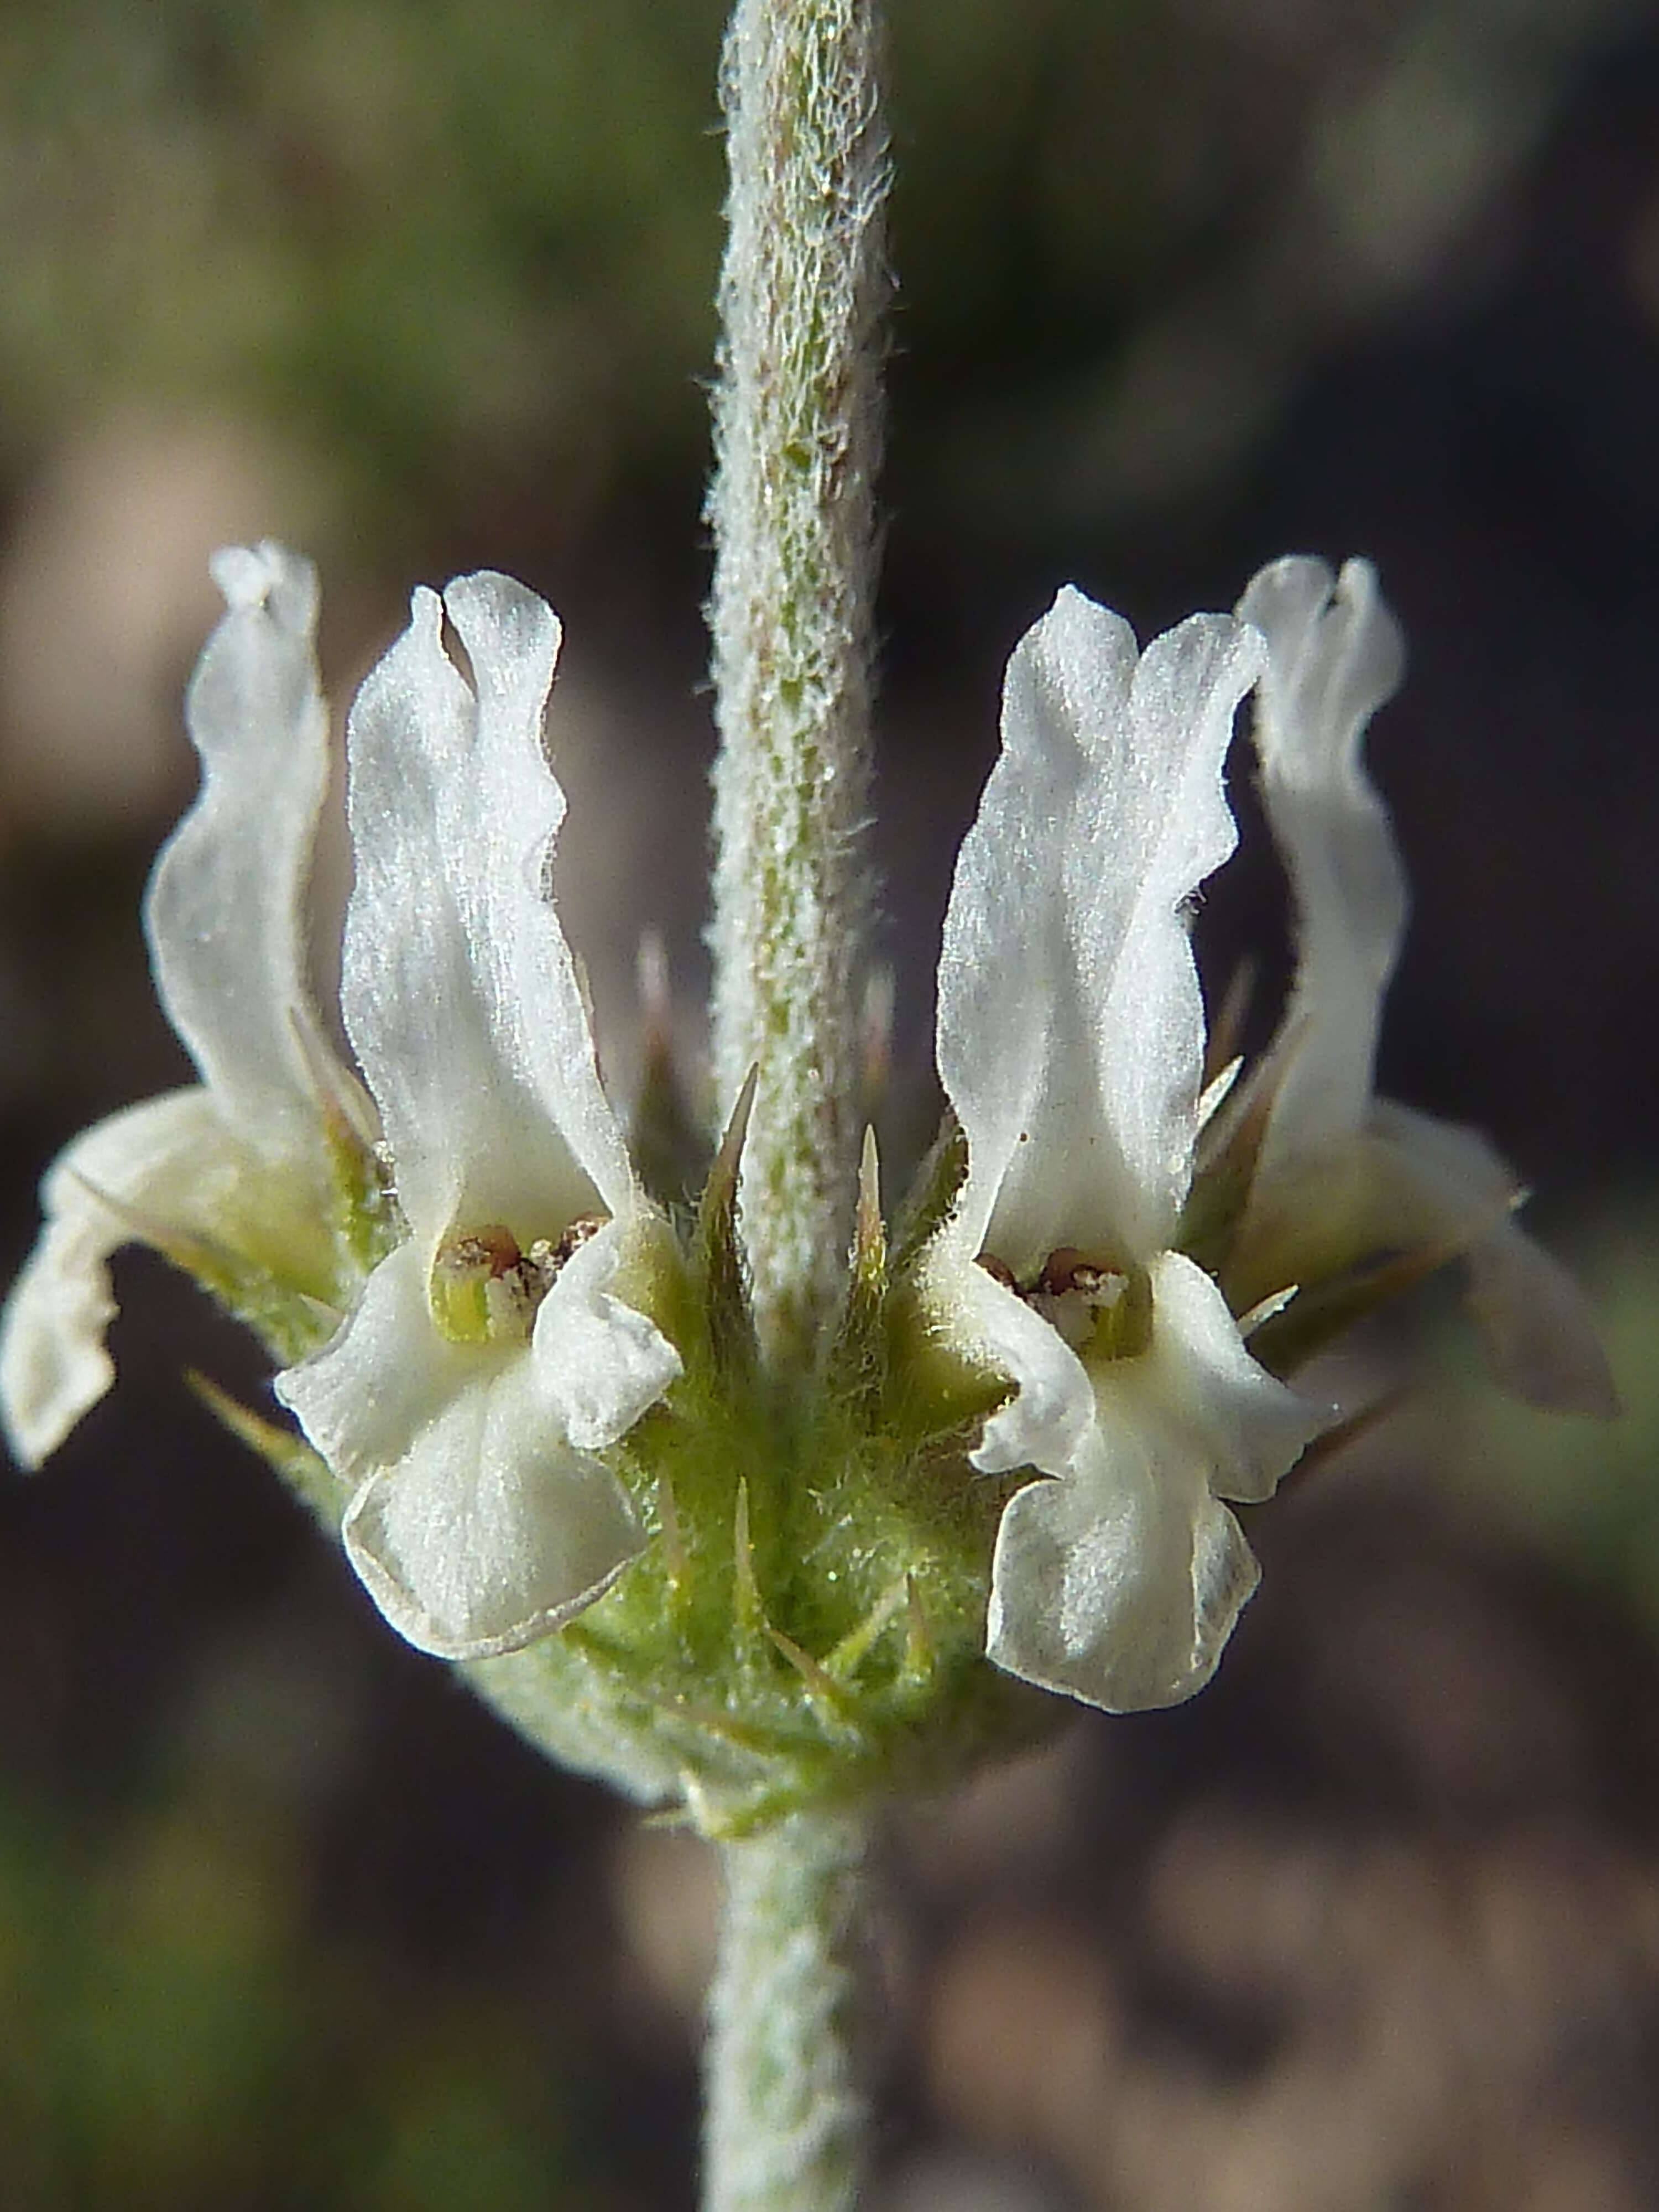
436	1266
1071	1047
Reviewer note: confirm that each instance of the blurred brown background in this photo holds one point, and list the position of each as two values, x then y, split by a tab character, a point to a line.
1374	1925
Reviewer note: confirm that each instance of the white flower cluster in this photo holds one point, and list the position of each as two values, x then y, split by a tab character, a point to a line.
449	1255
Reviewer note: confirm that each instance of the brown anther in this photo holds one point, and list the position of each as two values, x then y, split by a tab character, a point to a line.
997	1270
493	1247
584	1226
1068	1269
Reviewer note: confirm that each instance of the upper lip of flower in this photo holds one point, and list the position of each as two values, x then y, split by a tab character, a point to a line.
1071	1030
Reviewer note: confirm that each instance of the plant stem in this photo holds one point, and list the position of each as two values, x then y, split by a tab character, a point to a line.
792	509
785	2120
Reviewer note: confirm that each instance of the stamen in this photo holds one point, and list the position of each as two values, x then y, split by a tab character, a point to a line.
486	1290
1097	1305
1067	1269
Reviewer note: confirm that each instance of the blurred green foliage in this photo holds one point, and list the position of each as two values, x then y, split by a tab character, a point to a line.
1587	1492
172	2033
412	233
439	243
459	255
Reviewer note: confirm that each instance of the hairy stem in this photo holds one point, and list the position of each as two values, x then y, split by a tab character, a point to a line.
785	2121
797	440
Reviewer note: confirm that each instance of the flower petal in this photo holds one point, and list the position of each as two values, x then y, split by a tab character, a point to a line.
223	910
163	1162
383	1376
459	992
1119	1582
388	1374
599	1364
1253	1427
1334	656
1044	1423
1441	1183
1109	1587
1070	1024
492	1530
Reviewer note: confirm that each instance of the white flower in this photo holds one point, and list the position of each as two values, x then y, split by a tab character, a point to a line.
489	1358
1071	1043
1341	1174
468	1381
236	1176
